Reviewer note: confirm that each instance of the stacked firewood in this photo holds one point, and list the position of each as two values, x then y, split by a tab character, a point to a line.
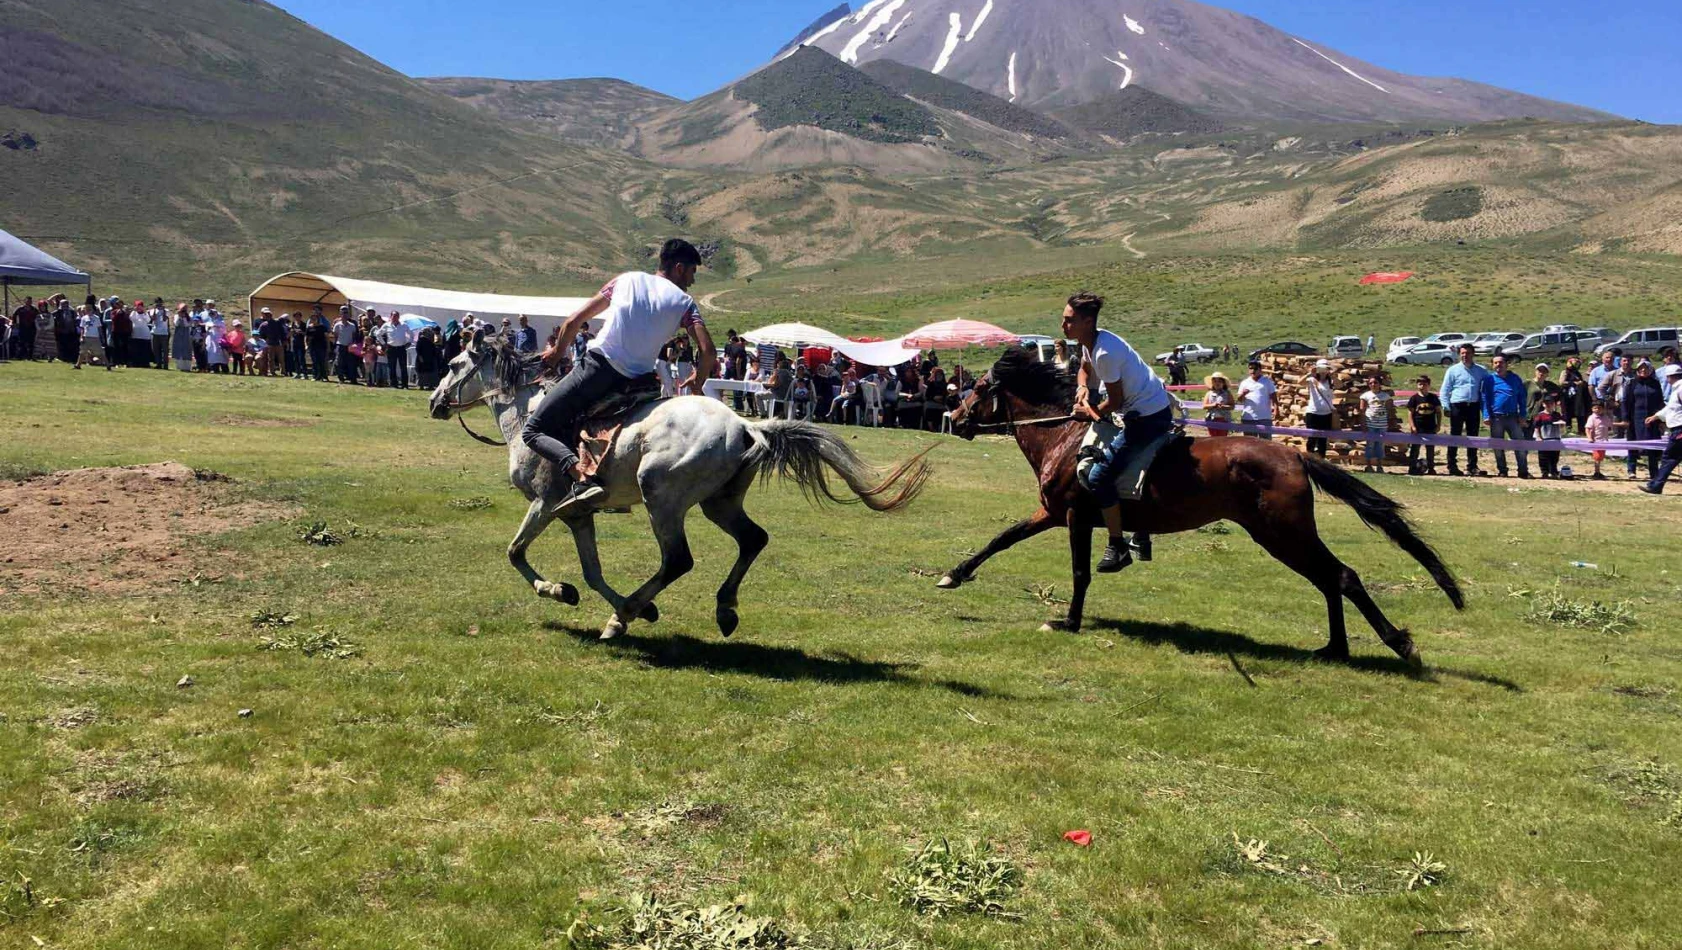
1349	381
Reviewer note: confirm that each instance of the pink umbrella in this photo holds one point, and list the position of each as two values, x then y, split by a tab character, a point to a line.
957	334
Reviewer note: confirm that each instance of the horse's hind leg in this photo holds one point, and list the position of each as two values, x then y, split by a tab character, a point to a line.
726	511
1038	523
675	561
1306	554
536	521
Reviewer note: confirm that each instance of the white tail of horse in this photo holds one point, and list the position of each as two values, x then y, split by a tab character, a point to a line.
805	454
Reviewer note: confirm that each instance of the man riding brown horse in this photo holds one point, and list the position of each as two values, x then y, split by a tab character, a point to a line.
1265	488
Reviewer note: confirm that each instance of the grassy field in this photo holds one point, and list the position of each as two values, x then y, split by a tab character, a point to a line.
468	768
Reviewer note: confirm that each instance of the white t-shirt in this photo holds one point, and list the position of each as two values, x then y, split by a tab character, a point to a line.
1319	397
1255	400
647	310
1377	407
399	334
90	326
1114	361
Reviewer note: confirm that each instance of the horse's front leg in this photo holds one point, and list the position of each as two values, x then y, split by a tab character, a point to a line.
1040	522
537	519
590	564
1080	557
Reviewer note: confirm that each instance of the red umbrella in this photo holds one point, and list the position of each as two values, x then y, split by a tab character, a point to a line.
958	334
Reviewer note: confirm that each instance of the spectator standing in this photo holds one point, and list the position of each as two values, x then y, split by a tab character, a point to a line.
118	328
683	365
93	333
1504	402
1255	401
216	348
1543	389
1671	417
1375	407
1218	405
398	339
67	333
1597	376
1372	346
766	358
344	338
181	343
429	366
1548	425
233	342
1463	394
1576	398
1425	411
1322	410
201	329
1641	409
1064	362
297	346
24	328
139	353
525	340
159	325
1599	429
317	335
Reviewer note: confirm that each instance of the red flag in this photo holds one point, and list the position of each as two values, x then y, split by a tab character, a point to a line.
1386	278
1082	838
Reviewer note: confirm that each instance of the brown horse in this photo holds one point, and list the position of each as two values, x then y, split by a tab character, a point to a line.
1267	489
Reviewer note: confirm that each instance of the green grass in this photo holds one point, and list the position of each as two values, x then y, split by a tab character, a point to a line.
474	770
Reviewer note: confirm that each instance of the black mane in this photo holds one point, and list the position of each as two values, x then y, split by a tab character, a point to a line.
1033	382
515	370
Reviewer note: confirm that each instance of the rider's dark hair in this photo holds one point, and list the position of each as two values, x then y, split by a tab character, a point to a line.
1086	304
678	252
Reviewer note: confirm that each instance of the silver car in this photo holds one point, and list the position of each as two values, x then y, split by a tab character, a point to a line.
1642	343
1545	346
1489	344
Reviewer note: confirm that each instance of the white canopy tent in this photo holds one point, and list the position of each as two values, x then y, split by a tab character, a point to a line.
887	353
301	291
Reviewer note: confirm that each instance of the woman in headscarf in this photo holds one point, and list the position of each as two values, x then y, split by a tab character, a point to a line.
181	340
1643	398
1575	397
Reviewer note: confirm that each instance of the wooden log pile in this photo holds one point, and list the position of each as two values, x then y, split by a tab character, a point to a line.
1349	381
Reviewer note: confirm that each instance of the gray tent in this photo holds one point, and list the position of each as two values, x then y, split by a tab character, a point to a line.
25	265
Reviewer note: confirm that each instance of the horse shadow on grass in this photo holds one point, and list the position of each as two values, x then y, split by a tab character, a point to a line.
1202	640
786	664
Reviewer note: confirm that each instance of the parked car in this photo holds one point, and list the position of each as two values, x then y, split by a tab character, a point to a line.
1347	346
1544	346
1645	343
1430	354
1453	338
1561	328
1287	349
1594	336
1489	344
1400	345
1191	353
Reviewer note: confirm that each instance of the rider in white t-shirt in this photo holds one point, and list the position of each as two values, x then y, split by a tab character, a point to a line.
1121	382
644	311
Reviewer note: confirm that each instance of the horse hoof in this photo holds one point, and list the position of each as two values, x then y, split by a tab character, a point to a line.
650	614
613	629
564	593
949	583
727	621
1334	654
1058	626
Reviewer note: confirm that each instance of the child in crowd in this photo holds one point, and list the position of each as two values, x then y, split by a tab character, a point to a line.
1375	404
1599	429
1549	426
1218	403
1425	410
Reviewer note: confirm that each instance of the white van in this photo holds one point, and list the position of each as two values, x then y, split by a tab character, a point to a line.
1346	346
1642	343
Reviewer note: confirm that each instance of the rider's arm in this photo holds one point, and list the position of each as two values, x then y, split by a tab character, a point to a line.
706	358
1111	404
575	324
1082	397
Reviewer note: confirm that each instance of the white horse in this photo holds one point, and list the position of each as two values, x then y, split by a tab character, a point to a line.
669	457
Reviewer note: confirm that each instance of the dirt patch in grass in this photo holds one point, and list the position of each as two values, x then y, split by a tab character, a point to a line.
257	422
113	530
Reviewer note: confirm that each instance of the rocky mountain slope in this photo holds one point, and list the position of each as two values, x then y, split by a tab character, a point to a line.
601	112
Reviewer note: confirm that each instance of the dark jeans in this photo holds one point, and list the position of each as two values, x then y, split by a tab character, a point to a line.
1137	430
295	359
1671	458
160	351
1464	418
69	346
552	428
349	364
26	341
1430	453
318	356
399	366
1318	421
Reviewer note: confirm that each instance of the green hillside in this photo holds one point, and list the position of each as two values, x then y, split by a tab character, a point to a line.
812	87
1135	111
956	96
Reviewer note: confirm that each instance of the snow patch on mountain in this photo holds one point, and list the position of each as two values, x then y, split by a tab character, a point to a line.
1340	65
883	17
1012	79
1133	25
1127	77
952	37
980	18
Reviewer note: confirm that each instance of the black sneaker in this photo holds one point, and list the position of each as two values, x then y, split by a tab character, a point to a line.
1116	558
582	495
1455	472
1141	545
1649	489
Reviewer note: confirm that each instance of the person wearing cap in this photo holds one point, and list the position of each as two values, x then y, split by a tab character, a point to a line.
1255	401
1322	411
1642	405
1218	402
158	319
1425	412
1669	367
1115	383
1505	401
1671	417
1463	394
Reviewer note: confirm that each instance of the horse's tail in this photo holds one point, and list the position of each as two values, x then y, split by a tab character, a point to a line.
806	453
1384	514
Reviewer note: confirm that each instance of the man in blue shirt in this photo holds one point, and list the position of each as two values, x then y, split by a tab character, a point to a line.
1505	402
1462	393
1608	365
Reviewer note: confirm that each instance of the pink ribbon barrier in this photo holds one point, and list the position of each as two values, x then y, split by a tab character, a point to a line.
1613	449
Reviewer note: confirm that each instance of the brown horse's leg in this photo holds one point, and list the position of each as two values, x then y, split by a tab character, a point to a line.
1393	636
1039	523
1306	554
1080	556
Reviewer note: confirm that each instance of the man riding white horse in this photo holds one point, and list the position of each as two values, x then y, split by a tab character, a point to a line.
643	312
1127	390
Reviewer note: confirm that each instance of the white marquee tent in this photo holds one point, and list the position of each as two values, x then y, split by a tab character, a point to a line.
301	291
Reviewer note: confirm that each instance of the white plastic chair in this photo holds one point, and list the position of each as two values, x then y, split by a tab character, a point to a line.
872	405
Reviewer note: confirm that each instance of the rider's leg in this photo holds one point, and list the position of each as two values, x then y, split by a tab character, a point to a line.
1100	481
550	427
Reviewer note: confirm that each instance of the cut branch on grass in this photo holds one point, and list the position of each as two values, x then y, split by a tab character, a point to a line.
940	878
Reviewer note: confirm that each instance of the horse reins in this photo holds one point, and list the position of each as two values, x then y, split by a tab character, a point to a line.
1011	423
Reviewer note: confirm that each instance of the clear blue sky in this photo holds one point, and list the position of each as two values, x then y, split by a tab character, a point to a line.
1623	56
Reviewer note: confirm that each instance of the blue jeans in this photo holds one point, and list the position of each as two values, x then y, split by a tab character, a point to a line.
1140	430
1375	448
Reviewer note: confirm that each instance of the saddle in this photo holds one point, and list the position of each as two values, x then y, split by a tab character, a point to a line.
599	428
1130	477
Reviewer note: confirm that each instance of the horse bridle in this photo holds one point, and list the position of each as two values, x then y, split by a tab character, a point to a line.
1011	423
460	408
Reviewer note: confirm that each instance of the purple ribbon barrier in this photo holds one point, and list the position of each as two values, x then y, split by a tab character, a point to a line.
1612	449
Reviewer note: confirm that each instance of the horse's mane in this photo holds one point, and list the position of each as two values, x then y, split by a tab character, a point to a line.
515	370
1033	382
